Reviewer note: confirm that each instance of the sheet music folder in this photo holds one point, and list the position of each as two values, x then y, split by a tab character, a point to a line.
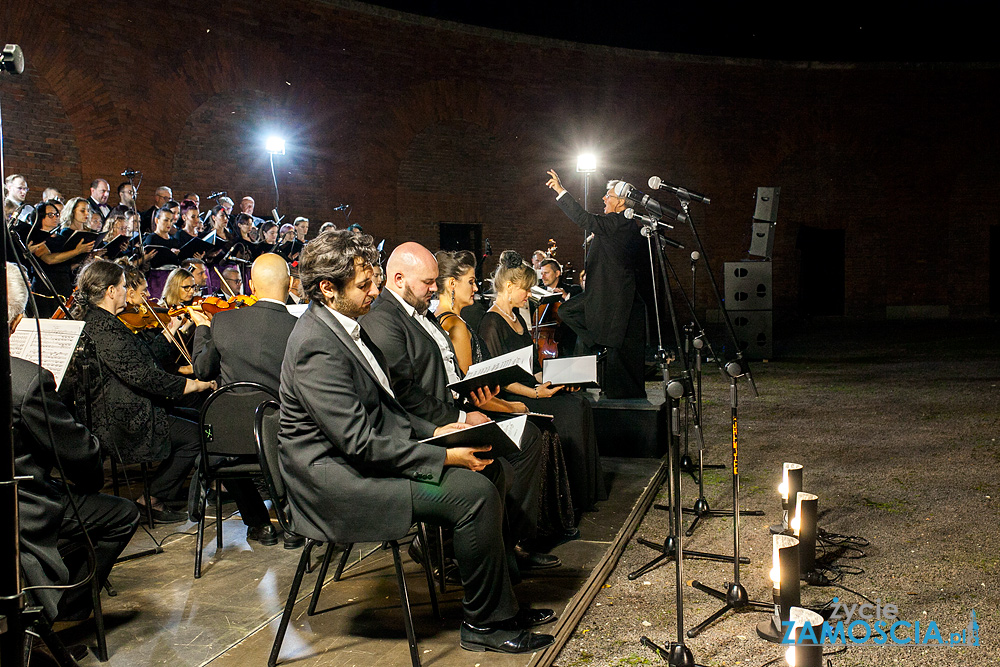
504	437
500	371
571	371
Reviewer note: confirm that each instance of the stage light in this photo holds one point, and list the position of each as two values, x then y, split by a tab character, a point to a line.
784	585
275	145
791	484
586	163
807	653
804	528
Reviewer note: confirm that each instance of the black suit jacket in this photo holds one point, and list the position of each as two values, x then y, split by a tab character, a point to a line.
347	449
244	345
42	502
103	209
611	287
416	368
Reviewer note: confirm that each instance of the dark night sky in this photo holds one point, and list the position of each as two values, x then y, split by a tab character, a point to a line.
845	31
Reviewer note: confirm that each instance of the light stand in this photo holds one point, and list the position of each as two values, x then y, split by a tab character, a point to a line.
807	651
804	527
785	586
586	164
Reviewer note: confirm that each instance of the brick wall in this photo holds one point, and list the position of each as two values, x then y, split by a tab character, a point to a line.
415	122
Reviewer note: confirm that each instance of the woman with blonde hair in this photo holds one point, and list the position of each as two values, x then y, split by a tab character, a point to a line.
504	330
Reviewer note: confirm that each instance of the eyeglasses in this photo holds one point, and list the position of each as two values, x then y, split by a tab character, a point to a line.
52	214
188	286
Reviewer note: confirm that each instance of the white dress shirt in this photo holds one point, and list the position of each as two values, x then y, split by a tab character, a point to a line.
353	330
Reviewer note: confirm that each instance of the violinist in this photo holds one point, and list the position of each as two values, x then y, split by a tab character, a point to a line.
129	390
181	289
564	337
222	347
147	318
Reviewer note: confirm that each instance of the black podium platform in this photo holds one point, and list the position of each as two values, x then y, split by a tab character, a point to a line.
630	428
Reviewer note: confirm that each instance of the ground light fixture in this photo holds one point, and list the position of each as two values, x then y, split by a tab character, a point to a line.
803	527
784	585
791	484
805	652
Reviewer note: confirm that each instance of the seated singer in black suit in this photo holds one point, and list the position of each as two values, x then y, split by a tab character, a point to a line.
49	527
350	455
610	313
247	345
422	364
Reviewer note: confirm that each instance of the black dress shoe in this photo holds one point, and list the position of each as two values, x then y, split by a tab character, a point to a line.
451	573
529	618
165	515
265	534
474	638
292	541
535	560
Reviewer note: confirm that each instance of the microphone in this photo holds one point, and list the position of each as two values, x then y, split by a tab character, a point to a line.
645	219
623	189
129	173
657	183
341	207
216	195
695	256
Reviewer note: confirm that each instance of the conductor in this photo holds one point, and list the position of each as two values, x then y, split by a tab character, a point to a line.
610	313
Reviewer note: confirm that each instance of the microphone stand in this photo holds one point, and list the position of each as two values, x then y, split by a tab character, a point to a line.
735	595
676	654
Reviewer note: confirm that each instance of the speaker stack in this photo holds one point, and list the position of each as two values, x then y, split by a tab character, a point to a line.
748	283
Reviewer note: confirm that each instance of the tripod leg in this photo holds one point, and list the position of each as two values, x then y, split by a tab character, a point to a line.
697	585
649	566
698	629
694	524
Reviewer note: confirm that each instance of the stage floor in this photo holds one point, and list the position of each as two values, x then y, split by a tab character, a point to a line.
163	616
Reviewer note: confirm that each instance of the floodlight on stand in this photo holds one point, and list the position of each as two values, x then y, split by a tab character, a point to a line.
784	586
791	484
807	650
586	163
275	145
804	528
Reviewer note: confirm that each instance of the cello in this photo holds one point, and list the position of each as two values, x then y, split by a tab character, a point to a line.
545	321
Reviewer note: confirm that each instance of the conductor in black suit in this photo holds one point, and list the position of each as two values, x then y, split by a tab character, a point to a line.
610	313
49	527
247	345
351	457
422	363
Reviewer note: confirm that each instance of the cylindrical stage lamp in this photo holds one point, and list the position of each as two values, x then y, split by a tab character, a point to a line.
785	586
804	527
805	652
791	484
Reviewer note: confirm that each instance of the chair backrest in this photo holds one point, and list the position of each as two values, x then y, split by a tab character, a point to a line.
265	432
227	418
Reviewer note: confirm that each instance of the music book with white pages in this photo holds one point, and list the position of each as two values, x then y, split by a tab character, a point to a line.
59	339
499	371
574	371
503	437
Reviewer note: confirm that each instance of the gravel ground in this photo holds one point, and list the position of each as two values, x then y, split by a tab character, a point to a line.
896	426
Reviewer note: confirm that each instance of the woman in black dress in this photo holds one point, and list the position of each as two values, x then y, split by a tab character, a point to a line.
456	286
128	389
61	262
503	330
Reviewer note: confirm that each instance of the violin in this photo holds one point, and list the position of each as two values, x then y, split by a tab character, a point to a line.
141	316
215	304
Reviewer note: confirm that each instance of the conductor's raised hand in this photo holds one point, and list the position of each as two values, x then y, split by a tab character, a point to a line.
554	182
465	457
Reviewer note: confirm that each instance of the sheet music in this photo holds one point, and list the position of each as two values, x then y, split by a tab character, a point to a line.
514	428
59	338
570	370
520	358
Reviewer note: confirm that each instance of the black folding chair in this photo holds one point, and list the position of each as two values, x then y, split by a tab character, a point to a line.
266	437
226	423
